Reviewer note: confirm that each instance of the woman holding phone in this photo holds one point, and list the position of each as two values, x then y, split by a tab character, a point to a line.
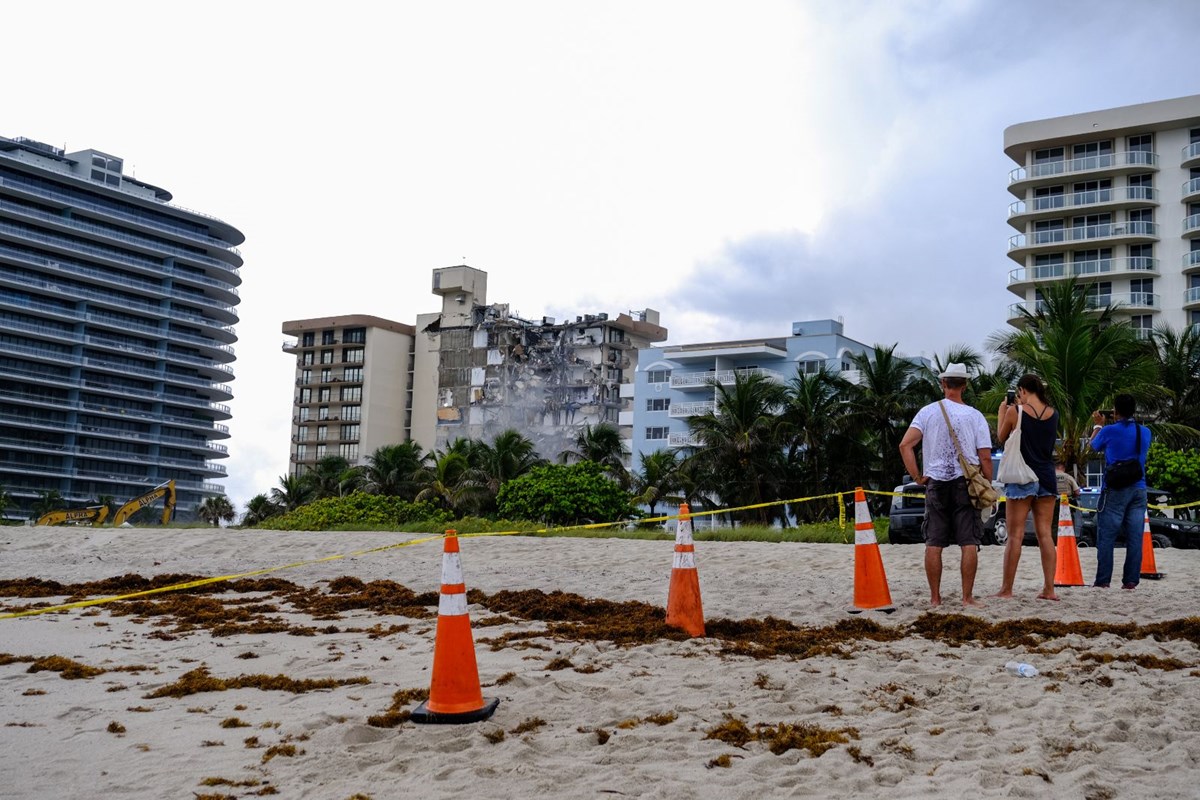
1028	407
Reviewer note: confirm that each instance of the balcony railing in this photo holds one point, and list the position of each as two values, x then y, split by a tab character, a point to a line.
1191	151
1191	223
1191	187
682	440
1191	259
1191	295
1083	268
1084	199
681	410
1134	158
1083	233
723	377
1120	301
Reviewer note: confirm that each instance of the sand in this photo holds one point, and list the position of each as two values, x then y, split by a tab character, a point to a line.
919	715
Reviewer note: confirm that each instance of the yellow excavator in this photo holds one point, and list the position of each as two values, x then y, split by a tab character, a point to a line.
164	490
93	514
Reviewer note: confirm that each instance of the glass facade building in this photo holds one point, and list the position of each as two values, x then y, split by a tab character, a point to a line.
116	317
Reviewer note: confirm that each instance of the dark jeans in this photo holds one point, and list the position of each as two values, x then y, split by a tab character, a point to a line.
1120	510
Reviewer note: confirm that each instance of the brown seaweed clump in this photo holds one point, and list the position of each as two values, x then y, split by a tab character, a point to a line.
782	736
398	711
200	680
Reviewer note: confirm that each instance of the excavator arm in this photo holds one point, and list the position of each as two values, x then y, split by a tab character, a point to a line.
165	490
93	514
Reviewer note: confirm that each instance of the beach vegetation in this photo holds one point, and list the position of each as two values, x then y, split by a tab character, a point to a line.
564	495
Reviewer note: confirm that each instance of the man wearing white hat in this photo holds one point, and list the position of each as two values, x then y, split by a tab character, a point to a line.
949	515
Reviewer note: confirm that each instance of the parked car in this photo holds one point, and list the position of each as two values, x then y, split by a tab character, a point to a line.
1164	531
907	512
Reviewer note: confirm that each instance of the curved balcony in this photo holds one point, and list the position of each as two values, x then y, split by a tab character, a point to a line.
1191	226
1022	277
1057	205
1191	155
1191	262
1121	301
682	440
1191	298
684	410
1024	244
726	377
207	425
1191	190
1053	172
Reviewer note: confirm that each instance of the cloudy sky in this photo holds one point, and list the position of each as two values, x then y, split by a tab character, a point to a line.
736	165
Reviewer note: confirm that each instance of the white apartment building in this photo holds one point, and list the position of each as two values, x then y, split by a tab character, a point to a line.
353	390
1113	198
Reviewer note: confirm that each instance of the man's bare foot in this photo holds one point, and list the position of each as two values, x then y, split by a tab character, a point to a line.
1003	594
1045	596
935	601
972	601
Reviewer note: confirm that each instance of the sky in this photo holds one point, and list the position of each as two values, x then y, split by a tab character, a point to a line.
735	165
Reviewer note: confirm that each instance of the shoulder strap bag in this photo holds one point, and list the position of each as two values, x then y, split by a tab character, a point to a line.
983	494
1123	474
1013	468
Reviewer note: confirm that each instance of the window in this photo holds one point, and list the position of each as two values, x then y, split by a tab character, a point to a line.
1142	143
326	374
354	335
350	432
1140	215
308	358
658	375
657	434
302	434
304	413
1141	292
305	396
810	367
323	394
352	413
306	376
327	337
349	451
353	375
1048	155
320	451
353	355
322	433
308	339
1142	322
1141	256
1099	294
1141	187
1048	231
658	404
301	452
326	356
351	393
323	412
1048	266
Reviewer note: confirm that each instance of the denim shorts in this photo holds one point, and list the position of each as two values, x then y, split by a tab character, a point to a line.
1023	491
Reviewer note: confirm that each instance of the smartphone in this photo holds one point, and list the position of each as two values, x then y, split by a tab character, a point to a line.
1012	397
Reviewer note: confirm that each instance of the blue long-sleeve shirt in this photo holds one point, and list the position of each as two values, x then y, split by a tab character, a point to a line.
1118	442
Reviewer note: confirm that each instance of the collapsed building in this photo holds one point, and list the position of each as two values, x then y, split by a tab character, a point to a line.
479	369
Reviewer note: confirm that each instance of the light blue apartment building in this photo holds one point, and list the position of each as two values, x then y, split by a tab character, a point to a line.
672	382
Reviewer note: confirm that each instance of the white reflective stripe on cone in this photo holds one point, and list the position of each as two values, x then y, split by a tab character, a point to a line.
451	568
684	561
452	605
865	536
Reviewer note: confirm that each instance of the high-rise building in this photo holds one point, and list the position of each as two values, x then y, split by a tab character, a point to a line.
353	387
116	315
1113	198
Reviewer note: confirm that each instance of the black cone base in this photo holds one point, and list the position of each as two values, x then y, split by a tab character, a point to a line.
424	716
884	609
1154	576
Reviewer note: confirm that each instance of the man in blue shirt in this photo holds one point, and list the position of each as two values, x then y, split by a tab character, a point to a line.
1121	509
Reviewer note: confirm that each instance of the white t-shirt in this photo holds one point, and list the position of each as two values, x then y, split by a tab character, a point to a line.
937	447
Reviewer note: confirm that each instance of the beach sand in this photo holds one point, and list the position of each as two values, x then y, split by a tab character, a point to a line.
911	704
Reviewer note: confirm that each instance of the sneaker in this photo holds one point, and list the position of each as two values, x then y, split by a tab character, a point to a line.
1129	586
1099	585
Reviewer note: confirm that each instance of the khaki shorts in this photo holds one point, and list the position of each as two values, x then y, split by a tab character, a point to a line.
949	516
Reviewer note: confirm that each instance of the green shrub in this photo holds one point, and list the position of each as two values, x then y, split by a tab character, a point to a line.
564	495
361	511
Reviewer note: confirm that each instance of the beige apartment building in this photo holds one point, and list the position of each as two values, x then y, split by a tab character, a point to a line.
471	370
353	390
1113	198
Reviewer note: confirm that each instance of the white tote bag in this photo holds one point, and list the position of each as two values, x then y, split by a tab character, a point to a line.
1013	468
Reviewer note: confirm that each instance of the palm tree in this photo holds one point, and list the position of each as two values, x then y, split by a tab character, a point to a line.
391	470
814	424
259	509
5	501
510	455
332	476
657	478
740	450
293	491
449	482
215	510
1083	355
889	393
1177	353
603	445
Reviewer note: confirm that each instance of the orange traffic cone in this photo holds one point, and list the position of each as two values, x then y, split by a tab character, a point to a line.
454	692
870	582
683	598
1067	573
1149	568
